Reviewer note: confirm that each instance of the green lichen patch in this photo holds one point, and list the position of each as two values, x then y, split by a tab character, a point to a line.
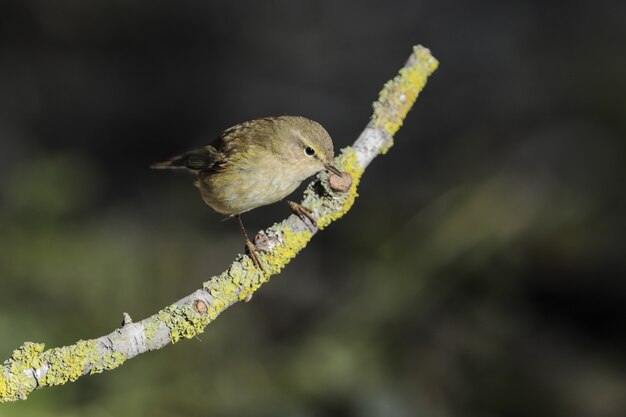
398	95
224	290
53	367
16	380
242	279
69	363
292	242
107	362
183	321
151	326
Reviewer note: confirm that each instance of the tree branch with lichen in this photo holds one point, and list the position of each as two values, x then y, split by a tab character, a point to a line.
328	196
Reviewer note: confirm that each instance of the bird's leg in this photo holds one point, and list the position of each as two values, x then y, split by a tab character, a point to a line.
301	211
250	248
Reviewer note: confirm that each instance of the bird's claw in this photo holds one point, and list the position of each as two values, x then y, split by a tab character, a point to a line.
252	253
302	212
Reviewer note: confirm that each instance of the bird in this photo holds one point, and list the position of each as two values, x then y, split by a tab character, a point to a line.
256	163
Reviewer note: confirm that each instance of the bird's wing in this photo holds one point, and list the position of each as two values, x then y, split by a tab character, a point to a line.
246	135
232	145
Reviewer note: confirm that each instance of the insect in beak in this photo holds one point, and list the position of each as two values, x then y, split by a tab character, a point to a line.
332	169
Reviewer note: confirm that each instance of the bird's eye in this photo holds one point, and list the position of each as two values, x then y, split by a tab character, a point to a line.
309	151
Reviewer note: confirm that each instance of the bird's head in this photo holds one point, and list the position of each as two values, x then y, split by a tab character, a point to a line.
306	145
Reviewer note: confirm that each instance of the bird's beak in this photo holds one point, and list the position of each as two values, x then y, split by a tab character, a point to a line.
332	169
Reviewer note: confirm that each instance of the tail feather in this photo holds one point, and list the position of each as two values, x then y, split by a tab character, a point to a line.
176	162
198	160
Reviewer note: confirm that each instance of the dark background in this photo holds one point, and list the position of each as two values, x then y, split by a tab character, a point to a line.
481	272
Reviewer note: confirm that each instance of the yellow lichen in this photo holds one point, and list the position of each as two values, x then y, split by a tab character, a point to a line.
224	290
107	362
338	204
3	388
52	367
243	278
151	328
183	321
398	95
68	363
18	382
291	243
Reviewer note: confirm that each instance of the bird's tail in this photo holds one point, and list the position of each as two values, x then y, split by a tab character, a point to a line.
198	160
176	162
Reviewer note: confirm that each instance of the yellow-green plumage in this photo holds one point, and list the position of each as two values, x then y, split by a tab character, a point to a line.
258	162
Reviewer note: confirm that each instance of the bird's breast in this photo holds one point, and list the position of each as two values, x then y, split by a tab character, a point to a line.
237	189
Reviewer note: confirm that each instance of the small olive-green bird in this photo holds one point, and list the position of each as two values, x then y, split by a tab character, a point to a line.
256	163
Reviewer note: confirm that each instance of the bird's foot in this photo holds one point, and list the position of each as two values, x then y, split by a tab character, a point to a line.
253	254
302	212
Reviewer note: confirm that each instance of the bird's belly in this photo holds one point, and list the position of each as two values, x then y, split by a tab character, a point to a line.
238	192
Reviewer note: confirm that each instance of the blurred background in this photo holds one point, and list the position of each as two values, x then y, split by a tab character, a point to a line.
481	272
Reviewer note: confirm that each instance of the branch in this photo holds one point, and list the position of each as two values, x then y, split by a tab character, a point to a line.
32	367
